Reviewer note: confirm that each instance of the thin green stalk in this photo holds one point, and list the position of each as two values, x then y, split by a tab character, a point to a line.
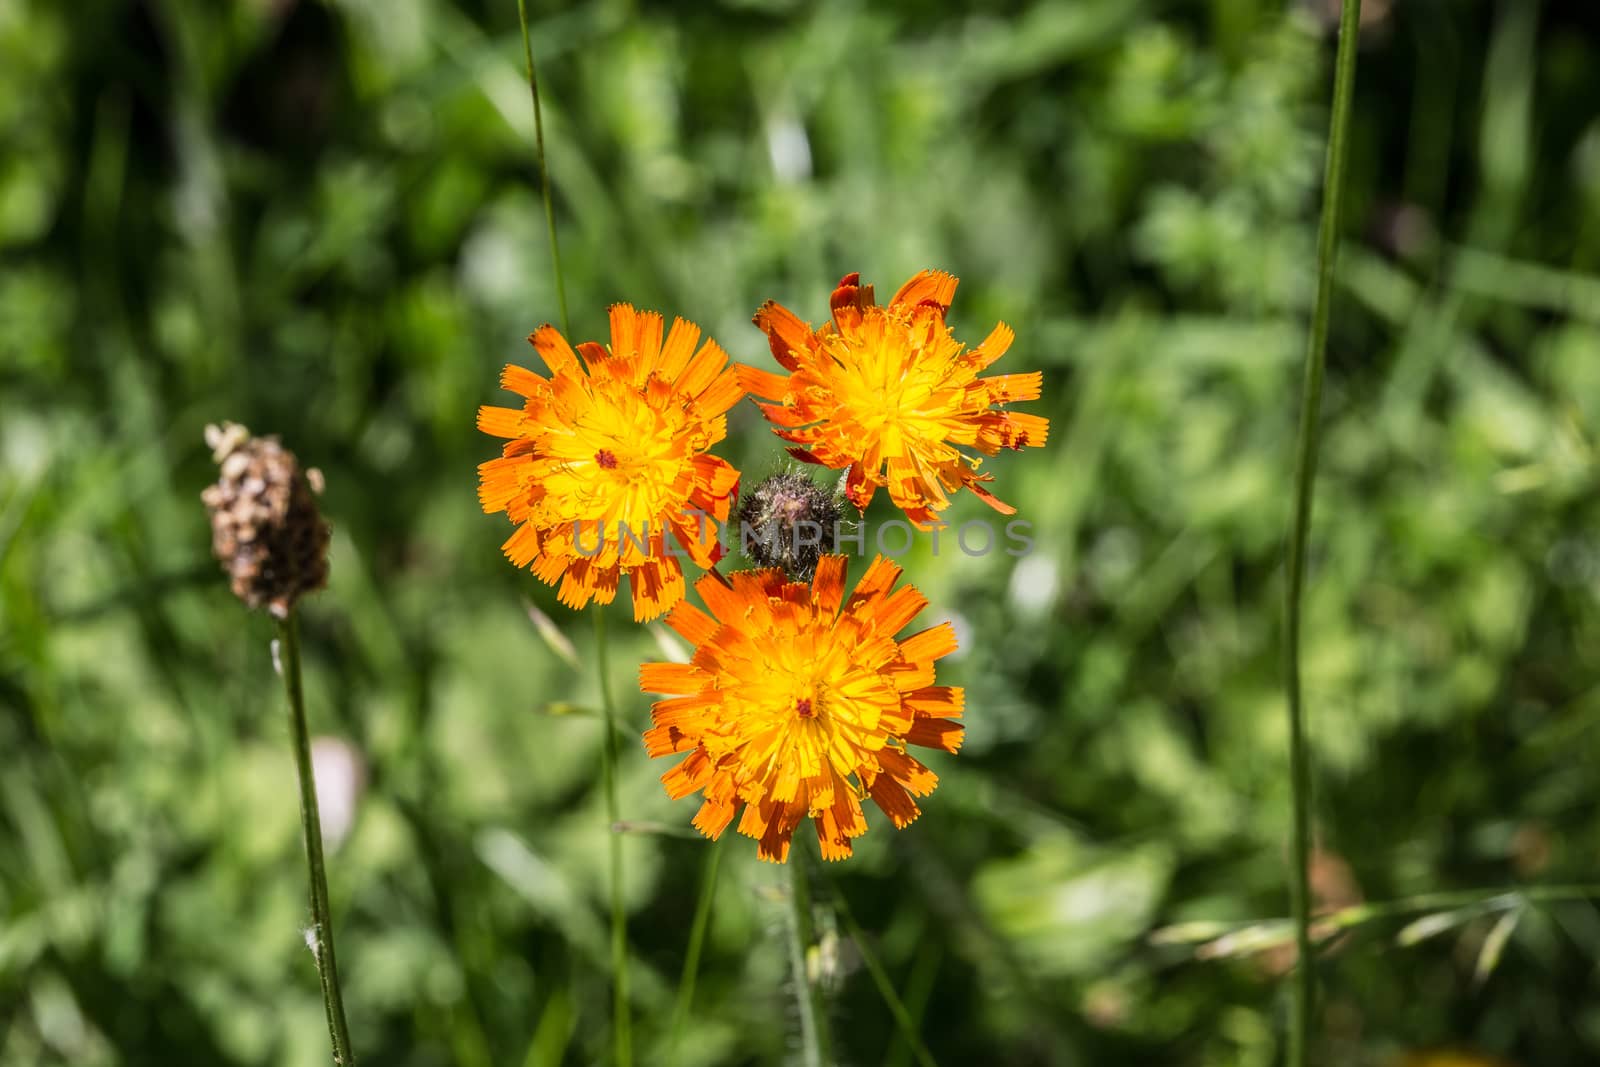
554	1032
924	971
880	978
544	172
311	826
622	1034
621	1025
1304	476
697	938
814	1045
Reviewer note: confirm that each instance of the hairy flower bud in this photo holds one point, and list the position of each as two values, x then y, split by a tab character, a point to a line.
265	527
791	522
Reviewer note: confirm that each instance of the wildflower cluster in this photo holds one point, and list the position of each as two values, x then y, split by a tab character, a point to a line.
799	700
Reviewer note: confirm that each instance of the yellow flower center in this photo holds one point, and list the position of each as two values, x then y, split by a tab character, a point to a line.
887	373
812	704
621	461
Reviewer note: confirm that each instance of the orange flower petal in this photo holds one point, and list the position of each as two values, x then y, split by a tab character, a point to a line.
522	381
930	644
501	422
934	286
786	334
554	350
759	382
678	348
936	733
690	623
669	677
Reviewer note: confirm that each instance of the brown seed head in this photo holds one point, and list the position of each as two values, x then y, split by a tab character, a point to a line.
265	527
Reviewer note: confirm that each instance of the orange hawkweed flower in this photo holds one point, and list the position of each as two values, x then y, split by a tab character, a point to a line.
798	702
607	457
891	394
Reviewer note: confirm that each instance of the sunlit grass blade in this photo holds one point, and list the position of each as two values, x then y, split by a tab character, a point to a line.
558	642
1435	923
1494	946
1447	909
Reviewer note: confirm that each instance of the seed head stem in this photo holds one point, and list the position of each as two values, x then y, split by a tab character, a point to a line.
321	938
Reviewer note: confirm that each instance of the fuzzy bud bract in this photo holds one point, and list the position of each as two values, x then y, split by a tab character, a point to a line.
789	521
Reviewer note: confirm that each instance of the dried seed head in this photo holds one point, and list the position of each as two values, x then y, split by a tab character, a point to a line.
791	522
265	528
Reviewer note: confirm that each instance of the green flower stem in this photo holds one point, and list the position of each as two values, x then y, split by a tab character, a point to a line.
311	826
1304	476
697	938
622	1034
544	173
880	978
814	1045
621	1027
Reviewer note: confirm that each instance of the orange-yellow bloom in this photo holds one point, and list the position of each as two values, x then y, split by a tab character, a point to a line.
799	702
891	394
607	457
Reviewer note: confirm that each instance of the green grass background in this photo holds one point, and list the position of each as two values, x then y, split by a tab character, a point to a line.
322	220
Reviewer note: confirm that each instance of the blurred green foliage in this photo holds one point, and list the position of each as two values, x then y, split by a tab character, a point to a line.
321	219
